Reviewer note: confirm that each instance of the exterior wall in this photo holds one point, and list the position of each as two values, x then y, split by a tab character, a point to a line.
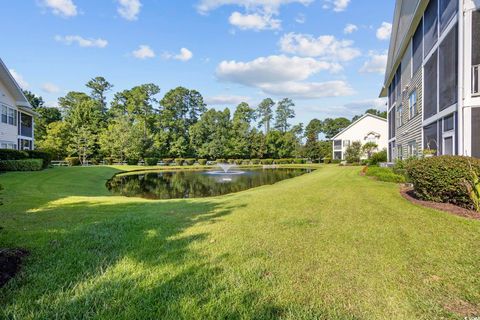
411	130
8	133
359	131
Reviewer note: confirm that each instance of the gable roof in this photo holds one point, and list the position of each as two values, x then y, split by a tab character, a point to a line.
13	87
406	19
360	119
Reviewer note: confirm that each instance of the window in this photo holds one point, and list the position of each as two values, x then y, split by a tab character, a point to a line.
337	144
417	43
9	115
476	132
448	146
448	70
412	149
399	115
476	38
400	152
337	155
430	25
398	82
448	123
430	137
407	67
430	87
448	9
412	104
391	124
26	125
346	143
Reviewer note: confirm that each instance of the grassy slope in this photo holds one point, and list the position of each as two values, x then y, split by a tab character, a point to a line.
330	244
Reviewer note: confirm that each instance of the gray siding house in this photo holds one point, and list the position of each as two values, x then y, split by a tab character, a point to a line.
432	78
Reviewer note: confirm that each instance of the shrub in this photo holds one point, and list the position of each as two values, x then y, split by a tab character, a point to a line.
151	161
353	152
179	161
384	174
231	161
221	161
246	162
336	161
266	161
444	178
190	161
299	161
9	154
327	160
282	161
45	156
21	165
255	161
378	157
108	160
72	161
202	162
167	161
238	161
133	161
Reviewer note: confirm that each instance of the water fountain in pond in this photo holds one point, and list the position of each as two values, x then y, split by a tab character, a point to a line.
226	173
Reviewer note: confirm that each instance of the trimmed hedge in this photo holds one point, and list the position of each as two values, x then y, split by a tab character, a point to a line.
221	160
443	178
266	161
9	154
167	161
384	174
151	161
190	161
327	160
21	165
179	161
202	162
72	161
132	162
255	161
378	157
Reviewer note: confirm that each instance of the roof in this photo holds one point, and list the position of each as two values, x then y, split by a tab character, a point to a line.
360	119
407	16
13	87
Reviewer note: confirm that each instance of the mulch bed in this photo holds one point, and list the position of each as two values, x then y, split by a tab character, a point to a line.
409	194
10	263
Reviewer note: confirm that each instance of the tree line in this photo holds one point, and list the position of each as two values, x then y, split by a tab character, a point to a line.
136	124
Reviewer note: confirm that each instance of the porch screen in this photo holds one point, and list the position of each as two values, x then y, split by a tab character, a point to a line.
430	136
448	8
431	21
476	132
418	48
430	87
476	38
448	69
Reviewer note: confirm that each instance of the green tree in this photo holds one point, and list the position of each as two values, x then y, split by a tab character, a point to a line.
82	143
331	127
283	114
56	140
99	87
210	136
241	127
265	114
369	148
353	152
122	139
34	100
46	115
375	112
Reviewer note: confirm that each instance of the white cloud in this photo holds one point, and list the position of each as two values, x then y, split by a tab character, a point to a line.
222	100
266	6
326	46
309	90
282	75
143	52
19	79
254	21
81	41
129	9
336	5
384	32
50	87
300	18
376	63
350	109
184	55
350	28
63	8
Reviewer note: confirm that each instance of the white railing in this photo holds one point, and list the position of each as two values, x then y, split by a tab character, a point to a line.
476	80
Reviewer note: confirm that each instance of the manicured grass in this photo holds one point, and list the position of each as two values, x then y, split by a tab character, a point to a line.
330	244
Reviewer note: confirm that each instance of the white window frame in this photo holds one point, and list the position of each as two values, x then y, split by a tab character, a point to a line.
412	108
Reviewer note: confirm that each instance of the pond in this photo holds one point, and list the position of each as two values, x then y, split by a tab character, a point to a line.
196	184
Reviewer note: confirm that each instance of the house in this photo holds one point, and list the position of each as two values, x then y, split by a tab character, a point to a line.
369	128
17	115
432	79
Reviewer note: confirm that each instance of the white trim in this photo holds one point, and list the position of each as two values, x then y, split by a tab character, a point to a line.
358	120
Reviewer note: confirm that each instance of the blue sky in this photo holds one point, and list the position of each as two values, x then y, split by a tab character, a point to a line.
328	55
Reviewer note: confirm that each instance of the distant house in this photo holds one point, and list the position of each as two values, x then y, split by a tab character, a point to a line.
369	128
17	115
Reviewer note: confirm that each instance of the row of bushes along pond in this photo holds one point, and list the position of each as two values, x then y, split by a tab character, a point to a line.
446	179
27	160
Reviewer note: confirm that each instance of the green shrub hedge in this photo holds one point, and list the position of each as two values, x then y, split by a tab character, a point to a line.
72	161
266	161
167	161
190	161
179	161
378	157
151	161
443	178
255	161
202	162
9	154
21	165
133	161
384	174
327	160
299	161
221	160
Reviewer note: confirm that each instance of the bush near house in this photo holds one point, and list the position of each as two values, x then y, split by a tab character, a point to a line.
179	161
327	160
202	162
45	156
72	161
21	165
378	157
384	174
190	161
9	154
353	152
444	179
167	161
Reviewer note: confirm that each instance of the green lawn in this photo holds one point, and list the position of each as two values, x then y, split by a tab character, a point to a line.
327	245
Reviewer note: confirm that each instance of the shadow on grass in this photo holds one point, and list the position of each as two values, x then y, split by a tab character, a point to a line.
134	260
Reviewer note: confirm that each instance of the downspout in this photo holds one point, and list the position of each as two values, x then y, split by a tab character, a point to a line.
461	76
